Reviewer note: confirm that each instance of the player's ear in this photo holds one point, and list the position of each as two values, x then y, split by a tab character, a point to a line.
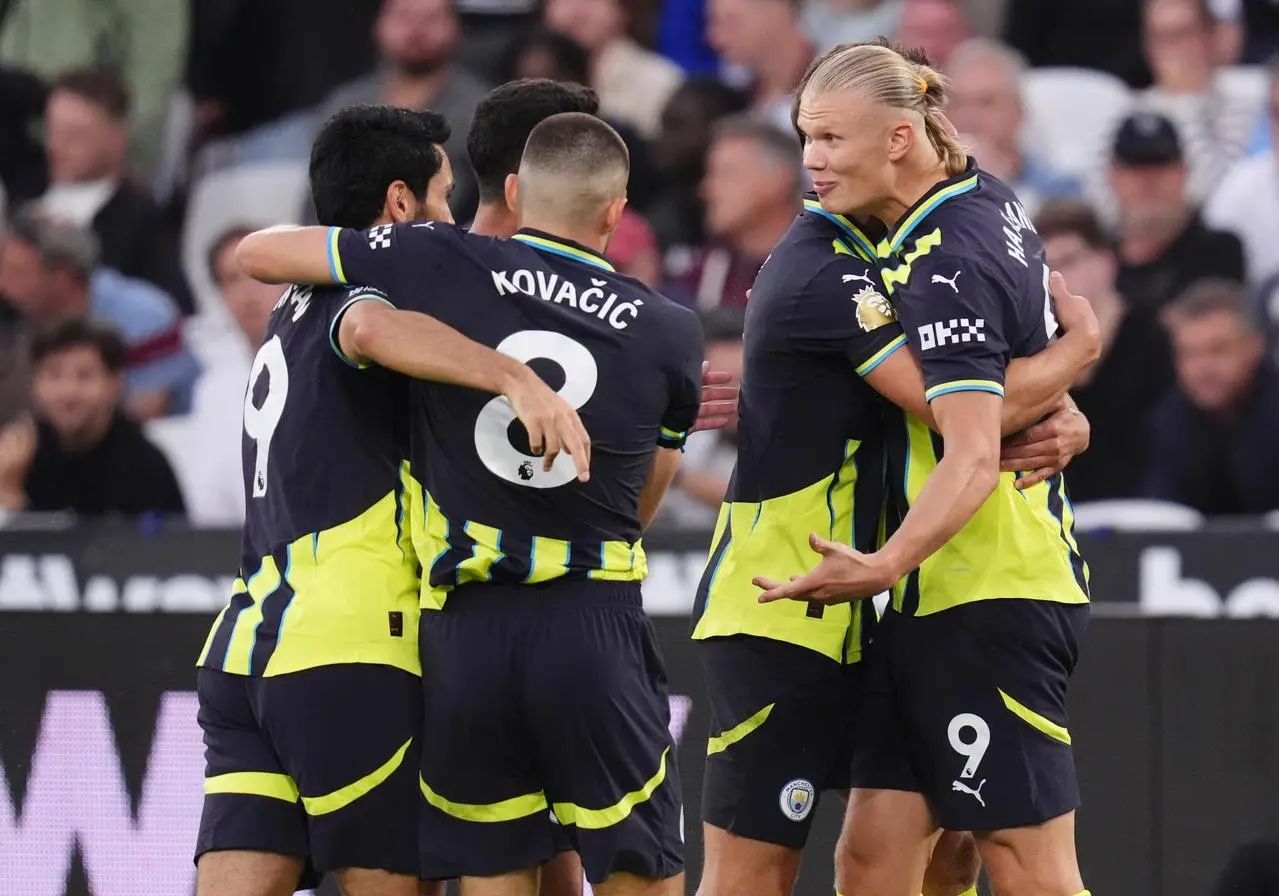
401	205
613	214
900	139
512	191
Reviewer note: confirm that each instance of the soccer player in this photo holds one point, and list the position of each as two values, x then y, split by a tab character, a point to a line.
545	694
821	340
308	683
968	674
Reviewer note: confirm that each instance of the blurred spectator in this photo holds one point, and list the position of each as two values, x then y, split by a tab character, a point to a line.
1164	246
22	165
490	29
257	69
1135	367
1215	436
986	108
743	224
633	249
633	83
416	41
1215	124
86	456
1098	34
829	23
216	495
679	154
145	40
1251	30
49	270
86	127
543	53
935	26
702	481
1247	202
766	39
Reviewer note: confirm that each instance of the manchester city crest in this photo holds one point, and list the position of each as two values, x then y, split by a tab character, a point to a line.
797	799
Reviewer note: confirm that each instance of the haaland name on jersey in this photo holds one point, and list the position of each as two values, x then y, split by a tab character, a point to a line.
551	287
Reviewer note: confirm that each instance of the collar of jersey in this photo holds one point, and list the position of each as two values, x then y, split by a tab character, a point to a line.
544	242
941	193
850	230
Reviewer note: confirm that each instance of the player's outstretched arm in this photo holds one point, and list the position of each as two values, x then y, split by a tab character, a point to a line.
372	331
288	254
964	478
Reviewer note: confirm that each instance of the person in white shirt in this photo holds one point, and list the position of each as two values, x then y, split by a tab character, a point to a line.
1247	202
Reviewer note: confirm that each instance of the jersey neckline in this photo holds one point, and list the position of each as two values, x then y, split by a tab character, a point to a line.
849	228
941	192
546	242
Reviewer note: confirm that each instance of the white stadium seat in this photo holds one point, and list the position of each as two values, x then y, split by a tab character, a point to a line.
258	195
1071	115
1135	515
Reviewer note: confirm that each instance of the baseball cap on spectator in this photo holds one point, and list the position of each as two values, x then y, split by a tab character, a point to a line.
1147	138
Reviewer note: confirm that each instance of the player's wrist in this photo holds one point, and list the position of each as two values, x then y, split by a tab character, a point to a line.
512	376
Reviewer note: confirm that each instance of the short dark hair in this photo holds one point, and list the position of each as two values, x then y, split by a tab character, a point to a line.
504	119
1070	217
572	59
102	85
1211	295
79	332
362	150
577	140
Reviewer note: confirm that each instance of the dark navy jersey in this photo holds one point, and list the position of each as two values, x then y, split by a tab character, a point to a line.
326	569
810	437
966	273
626	357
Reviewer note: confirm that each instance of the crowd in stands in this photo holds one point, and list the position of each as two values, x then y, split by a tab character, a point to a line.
141	139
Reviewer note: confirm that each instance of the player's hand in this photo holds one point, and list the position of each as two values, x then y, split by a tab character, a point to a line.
719	400
17	448
1047	447
1074	313
552	423
842	575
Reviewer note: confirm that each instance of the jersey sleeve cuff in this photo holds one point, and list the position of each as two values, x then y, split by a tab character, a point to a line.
334	342
881	356
669	438
952	386
335	256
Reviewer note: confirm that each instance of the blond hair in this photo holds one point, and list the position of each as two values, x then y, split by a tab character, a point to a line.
891	76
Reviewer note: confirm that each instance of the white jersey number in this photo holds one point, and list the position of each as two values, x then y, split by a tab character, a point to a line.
260	423
972	750
492	428
1050	319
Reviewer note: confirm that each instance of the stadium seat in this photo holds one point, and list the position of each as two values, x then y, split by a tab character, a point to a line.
1136	516
257	195
1071	114
179	440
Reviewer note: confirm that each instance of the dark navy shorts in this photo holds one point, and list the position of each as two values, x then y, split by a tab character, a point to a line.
780	729
968	707
319	764
546	702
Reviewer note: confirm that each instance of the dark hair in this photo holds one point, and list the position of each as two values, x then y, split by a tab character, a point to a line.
1211	295
1070	217
362	150
577	141
79	332
231	235
61	244
723	324
103	86
572	59
504	119
716	97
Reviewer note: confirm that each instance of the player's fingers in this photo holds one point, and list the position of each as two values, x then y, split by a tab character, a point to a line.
713	393
536	436
578	445
551	449
1036	477
717	379
1029	460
